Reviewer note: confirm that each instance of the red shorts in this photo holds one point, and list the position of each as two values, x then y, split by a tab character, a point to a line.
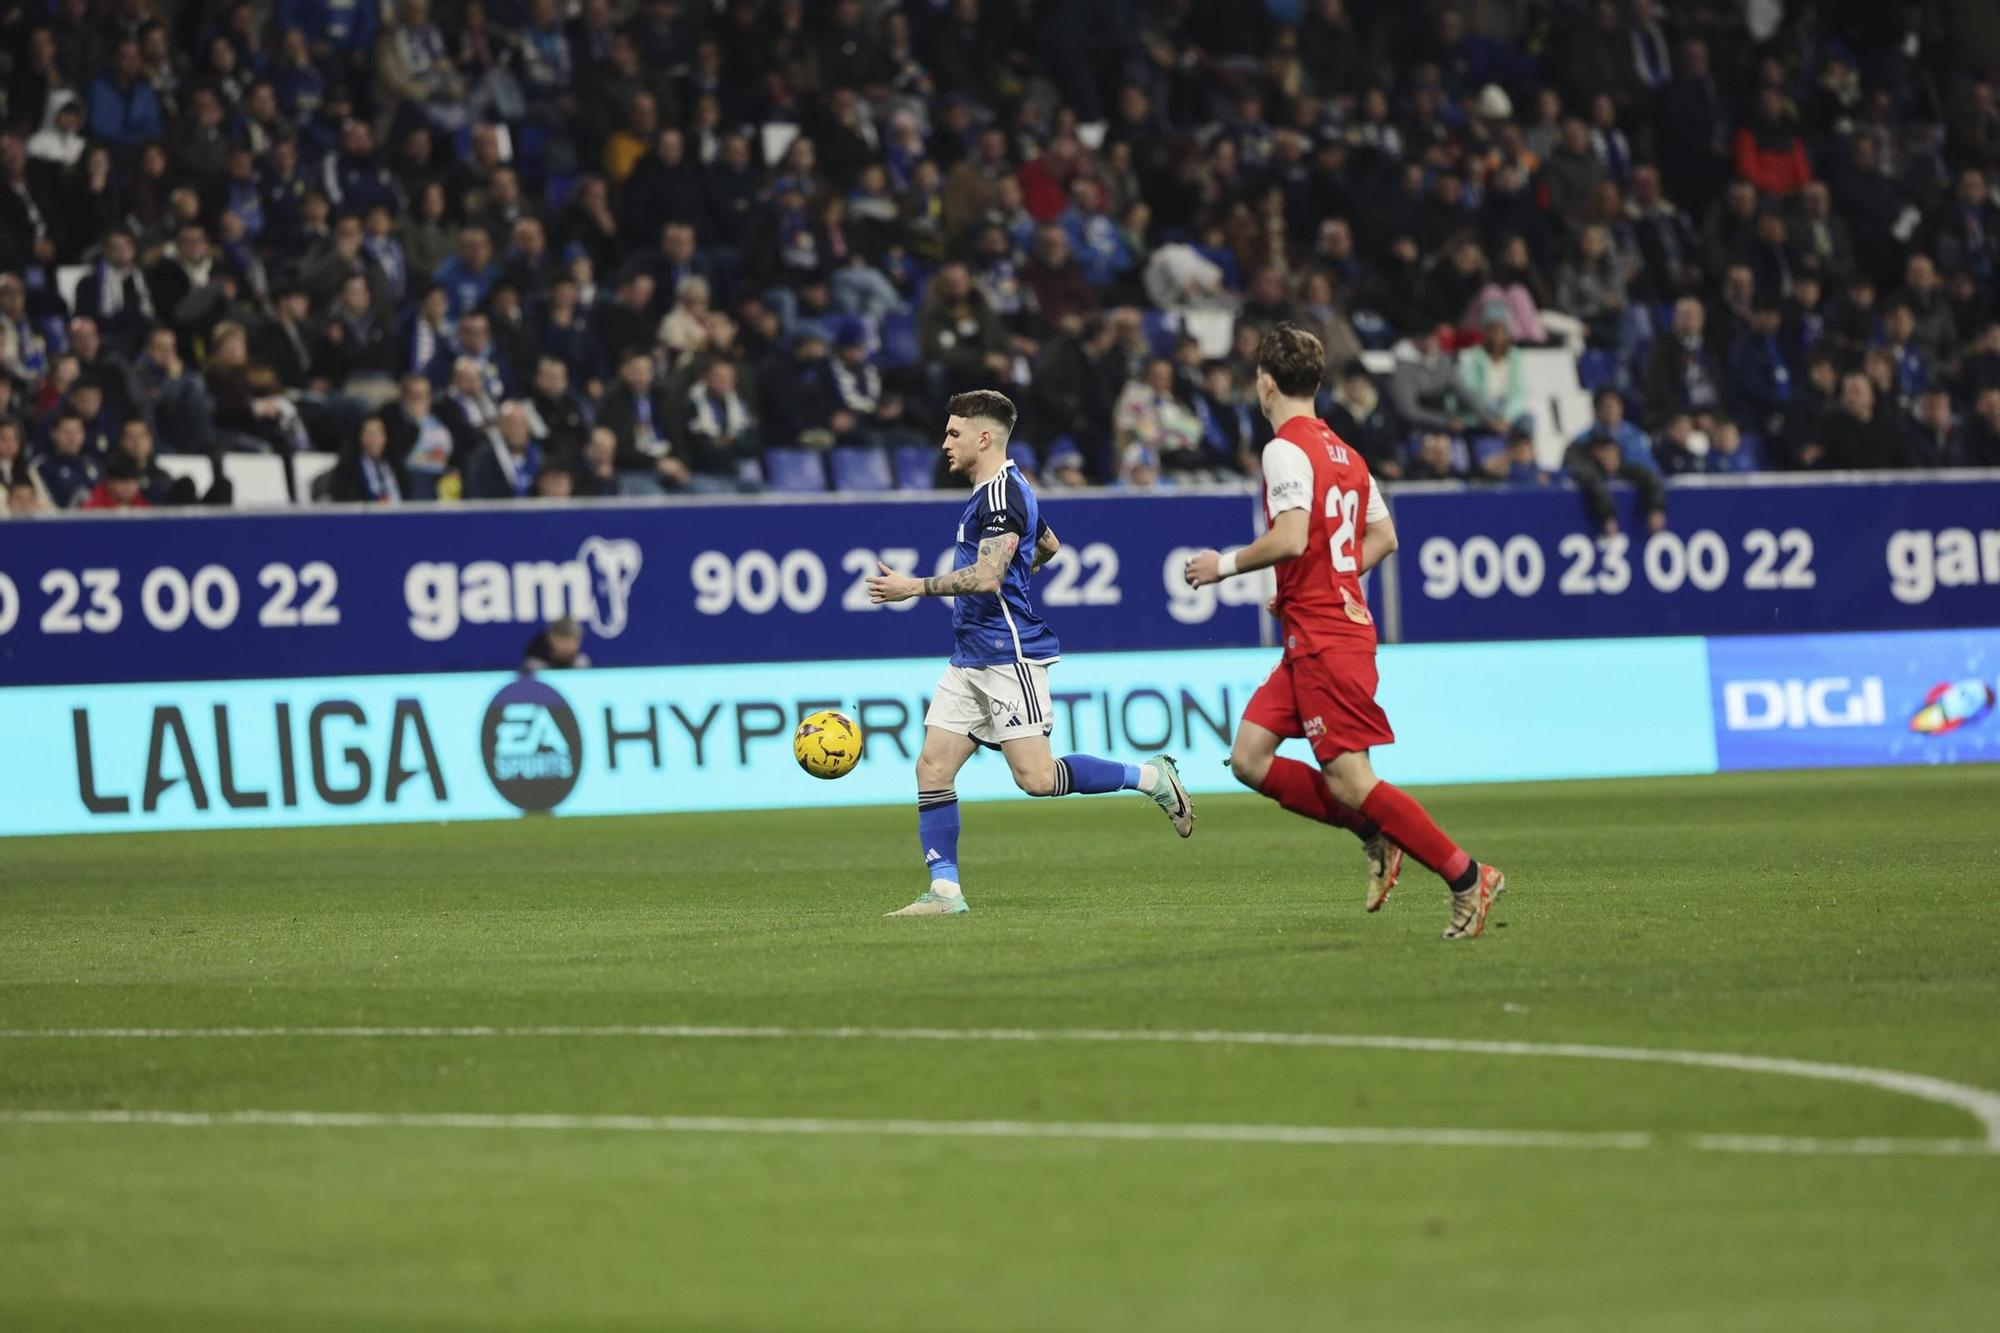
1328	698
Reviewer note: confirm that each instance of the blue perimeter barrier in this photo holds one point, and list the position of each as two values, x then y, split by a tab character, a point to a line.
332	750
318	591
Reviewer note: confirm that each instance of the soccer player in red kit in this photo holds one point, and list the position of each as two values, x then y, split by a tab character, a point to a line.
1328	525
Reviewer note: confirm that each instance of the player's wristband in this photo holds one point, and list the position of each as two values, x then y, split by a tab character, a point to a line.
1225	564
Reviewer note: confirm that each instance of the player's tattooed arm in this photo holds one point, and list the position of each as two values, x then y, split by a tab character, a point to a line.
1046	547
982	575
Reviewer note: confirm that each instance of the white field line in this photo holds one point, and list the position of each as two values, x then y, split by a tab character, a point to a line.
1291	1135
1982	1105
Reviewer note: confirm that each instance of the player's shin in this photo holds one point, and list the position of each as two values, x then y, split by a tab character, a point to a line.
937	833
1411	827
1086	774
1301	789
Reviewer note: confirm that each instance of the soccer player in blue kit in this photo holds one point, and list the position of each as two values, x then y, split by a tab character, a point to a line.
996	691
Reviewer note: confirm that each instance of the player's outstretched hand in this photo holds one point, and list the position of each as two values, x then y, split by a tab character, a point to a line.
1202	568
889	586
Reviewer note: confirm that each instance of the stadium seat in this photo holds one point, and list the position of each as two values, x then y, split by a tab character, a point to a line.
1161	328
862	468
307	471
916	467
900	348
1023	456
795	471
1215	330
258	479
1597	369
194	467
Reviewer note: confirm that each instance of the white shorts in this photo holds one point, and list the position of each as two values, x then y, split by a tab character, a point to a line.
994	704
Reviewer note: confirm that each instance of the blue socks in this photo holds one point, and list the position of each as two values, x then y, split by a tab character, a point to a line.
1086	774
937	832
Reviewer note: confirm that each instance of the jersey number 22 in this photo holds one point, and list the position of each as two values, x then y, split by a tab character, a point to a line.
1343	506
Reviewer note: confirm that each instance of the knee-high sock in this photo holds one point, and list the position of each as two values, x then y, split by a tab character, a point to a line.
1417	833
1301	789
937	832
1086	773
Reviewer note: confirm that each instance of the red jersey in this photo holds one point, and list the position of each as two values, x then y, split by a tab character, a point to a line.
1320	601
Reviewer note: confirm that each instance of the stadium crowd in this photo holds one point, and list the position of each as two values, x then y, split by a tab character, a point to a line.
499	248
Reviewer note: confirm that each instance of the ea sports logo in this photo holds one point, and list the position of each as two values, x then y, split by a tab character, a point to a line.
532	745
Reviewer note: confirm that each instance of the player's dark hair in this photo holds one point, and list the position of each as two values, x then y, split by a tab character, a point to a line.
987	405
1293	358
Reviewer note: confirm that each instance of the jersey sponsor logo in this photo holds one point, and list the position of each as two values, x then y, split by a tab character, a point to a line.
1803	705
1356	611
594	588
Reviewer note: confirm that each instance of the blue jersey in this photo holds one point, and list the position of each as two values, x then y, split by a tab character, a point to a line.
993	629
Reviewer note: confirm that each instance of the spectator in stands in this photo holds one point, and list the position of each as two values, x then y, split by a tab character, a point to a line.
1149	414
725	445
1860	436
560	420
121	487
1363	418
1519	466
428	337
1760	378
504	465
1495	376
880	417
960	334
67	475
124	109
1681	373
593	470
1428	393
639	415
1935	438
1139	469
25	498
1769	153
248	396
14	464
1230	434
469	274
1437	457
557	648
354	348
1595	461
156	485
1592	287
365	473
1982	435
419	442
115	294
1057	280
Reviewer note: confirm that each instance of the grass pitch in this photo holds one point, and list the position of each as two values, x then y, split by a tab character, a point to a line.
1838	917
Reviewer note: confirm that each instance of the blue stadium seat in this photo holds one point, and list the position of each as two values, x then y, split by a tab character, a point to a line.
1024	456
1161	329
796	471
1597	368
900	348
916	467
861	468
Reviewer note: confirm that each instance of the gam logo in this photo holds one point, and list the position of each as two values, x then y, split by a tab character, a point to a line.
532	745
595	588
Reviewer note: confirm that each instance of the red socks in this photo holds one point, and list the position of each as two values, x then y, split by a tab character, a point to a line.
1410	828
1301	789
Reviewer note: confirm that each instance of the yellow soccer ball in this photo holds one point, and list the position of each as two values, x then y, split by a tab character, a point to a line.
827	744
